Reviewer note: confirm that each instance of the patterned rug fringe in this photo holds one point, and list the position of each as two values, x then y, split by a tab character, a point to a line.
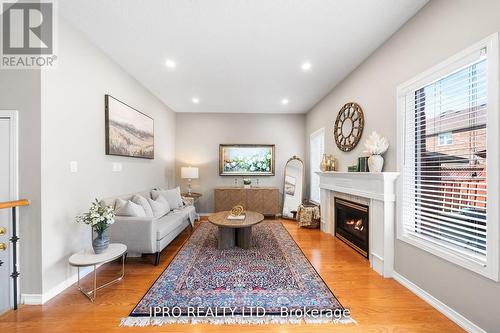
160	321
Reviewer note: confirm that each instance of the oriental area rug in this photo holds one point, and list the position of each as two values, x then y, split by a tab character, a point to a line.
272	282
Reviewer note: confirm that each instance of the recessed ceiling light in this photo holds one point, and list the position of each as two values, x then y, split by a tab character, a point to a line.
195	100
170	63
284	101
306	66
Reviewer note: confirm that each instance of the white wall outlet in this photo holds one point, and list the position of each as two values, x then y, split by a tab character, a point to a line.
117	167
73	166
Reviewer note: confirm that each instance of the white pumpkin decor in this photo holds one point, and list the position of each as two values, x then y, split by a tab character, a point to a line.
376	145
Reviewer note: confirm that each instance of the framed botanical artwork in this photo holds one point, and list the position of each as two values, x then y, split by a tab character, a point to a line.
246	160
129	132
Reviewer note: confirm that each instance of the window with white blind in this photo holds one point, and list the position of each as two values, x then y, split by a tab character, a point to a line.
316	151
448	135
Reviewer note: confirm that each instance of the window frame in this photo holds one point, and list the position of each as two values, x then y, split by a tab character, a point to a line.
435	73
318	132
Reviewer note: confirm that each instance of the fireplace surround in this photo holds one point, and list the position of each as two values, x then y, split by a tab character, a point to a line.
377	191
352	224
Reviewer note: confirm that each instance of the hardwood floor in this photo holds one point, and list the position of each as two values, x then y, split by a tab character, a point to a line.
377	304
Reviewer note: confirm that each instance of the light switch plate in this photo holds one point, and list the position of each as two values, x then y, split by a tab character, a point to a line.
73	166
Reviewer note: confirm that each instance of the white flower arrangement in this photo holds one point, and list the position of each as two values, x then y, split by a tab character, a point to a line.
98	217
376	144
249	163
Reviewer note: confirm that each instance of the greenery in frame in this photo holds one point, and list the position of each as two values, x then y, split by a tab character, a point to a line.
247	160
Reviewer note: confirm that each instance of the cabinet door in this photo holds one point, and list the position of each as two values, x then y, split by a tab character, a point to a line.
270	205
225	199
255	200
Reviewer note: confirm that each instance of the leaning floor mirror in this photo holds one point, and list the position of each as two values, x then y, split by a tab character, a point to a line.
293	187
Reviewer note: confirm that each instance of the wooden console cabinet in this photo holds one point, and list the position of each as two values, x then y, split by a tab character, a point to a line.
264	200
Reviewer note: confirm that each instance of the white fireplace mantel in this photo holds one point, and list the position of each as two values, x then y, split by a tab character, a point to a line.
378	191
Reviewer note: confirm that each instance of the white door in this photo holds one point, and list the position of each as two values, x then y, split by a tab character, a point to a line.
6	191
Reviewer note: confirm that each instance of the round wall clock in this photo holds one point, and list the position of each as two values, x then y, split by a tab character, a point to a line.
349	126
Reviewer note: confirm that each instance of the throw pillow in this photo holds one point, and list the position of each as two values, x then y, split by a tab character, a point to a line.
159	206
140	200
173	197
119	203
163	201
128	208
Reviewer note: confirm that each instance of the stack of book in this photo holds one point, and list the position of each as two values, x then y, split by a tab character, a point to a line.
236	217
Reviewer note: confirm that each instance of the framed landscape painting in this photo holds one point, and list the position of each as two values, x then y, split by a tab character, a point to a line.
129	132
246	160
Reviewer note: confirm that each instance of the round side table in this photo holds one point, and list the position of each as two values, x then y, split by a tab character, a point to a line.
194	197
87	258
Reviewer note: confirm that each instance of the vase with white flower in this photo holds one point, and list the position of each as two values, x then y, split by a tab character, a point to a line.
99	218
376	145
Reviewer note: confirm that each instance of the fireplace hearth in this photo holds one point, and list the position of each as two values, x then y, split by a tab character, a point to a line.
351	224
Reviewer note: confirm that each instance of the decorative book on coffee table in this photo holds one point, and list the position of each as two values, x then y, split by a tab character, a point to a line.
236	217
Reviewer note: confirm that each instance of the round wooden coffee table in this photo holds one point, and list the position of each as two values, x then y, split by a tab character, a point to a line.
235	232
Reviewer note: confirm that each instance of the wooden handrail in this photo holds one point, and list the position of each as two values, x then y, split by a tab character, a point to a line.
16	203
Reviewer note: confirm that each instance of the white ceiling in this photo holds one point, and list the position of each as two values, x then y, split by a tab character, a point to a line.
239	55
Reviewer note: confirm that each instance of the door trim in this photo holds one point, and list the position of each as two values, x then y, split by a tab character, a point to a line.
14	178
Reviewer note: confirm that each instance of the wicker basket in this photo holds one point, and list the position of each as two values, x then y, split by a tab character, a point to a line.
308	216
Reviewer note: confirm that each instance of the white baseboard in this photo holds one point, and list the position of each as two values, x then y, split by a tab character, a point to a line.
453	315
31	299
39	299
377	263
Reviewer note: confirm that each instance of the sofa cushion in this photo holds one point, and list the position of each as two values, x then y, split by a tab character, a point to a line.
143	202
159	206
167	224
128	208
111	201
173	196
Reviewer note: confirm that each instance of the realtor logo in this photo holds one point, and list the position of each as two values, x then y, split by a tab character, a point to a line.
27	34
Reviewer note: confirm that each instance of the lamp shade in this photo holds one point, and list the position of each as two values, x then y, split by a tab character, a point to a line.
189	173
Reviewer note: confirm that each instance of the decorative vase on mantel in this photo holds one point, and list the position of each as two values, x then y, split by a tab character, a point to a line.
376	145
327	163
375	163
323	164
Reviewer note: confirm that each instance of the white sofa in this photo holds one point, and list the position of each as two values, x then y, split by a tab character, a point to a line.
148	235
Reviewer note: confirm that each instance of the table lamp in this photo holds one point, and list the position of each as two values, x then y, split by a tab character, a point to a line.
189	173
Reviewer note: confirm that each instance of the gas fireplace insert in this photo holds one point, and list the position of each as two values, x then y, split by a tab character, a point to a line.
351	224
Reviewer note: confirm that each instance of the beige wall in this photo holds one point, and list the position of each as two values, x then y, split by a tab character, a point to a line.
199	135
73	130
441	29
